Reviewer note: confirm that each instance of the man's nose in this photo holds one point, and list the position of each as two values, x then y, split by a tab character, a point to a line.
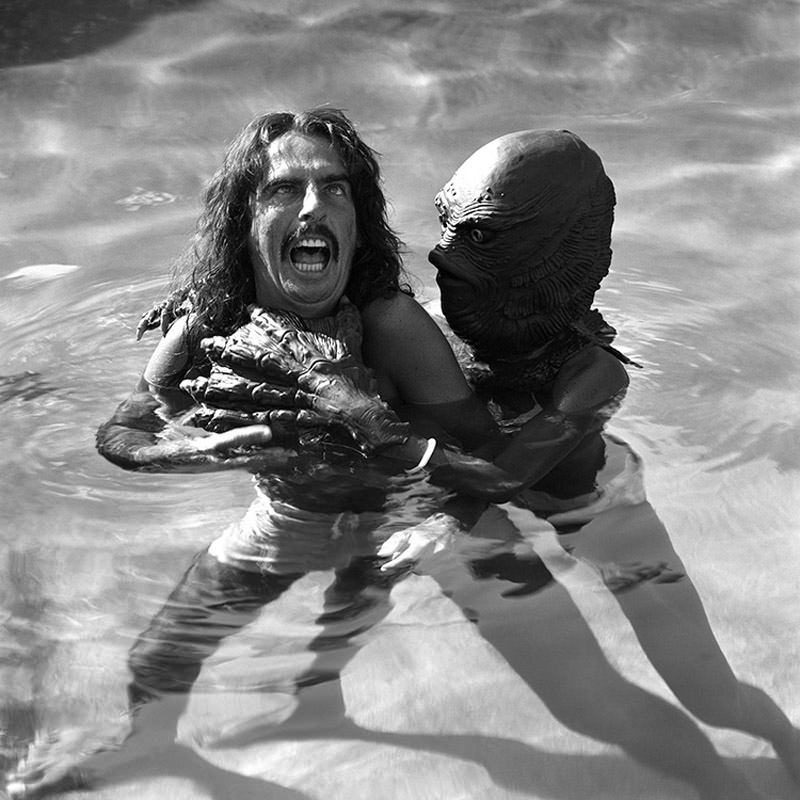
312	203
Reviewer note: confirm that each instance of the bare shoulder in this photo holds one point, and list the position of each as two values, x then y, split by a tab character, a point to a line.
171	356
588	380
395	313
400	322
412	359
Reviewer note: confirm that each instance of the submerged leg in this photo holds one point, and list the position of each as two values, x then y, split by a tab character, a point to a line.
211	602
355	602
560	659
672	627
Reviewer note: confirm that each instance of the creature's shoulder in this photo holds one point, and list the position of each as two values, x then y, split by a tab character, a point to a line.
589	379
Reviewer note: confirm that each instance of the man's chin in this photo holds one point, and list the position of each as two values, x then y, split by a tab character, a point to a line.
312	305
311	270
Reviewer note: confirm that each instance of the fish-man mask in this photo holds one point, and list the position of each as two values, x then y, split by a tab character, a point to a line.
526	240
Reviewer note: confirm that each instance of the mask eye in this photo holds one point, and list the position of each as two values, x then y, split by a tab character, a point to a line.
477	235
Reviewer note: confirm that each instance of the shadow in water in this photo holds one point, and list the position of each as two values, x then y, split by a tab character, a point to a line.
558	657
510	763
516	766
24	386
178	761
36	31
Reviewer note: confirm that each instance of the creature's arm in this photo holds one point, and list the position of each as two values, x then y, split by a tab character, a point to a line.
587	391
582	402
477	481
136	437
415	366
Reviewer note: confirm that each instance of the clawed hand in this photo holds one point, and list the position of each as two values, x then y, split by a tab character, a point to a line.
162	315
302	383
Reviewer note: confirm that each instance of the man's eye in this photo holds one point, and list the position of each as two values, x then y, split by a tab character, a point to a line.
337	189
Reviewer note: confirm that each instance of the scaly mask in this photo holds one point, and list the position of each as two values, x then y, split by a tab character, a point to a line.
526	240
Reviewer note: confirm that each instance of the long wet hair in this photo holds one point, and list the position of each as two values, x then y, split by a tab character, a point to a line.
215	275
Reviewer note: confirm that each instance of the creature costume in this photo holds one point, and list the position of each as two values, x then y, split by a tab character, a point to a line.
526	240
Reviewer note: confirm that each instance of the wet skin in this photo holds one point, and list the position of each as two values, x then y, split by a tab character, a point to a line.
303	232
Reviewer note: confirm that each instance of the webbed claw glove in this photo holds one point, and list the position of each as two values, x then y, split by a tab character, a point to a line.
163	314
276	370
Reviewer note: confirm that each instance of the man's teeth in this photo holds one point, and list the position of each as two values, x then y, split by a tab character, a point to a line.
310	255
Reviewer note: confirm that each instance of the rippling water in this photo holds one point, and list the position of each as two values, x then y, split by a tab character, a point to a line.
113	116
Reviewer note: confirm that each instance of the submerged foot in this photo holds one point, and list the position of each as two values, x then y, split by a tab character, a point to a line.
70	760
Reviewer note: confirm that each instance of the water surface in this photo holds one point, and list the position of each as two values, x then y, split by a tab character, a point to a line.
114	115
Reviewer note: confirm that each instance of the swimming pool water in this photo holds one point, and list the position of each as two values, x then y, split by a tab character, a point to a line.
113	116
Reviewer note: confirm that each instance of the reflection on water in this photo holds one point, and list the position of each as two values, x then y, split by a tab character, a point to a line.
112	120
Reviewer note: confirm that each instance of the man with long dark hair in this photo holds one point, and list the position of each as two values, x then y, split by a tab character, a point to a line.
221	283
294	244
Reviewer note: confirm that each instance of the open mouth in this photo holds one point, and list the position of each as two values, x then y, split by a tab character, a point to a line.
310	254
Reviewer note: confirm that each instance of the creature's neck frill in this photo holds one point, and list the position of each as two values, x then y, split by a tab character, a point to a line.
536	368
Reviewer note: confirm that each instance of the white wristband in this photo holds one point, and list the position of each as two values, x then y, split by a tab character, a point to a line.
426	457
